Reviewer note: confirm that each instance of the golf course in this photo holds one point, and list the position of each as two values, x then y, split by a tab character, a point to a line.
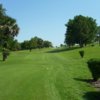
49	50
48	74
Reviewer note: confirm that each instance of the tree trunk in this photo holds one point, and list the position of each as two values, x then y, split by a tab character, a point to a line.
4	56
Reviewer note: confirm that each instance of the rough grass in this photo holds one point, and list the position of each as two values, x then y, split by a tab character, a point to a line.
45	75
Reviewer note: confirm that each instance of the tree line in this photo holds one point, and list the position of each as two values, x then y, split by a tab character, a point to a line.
35	43
80	30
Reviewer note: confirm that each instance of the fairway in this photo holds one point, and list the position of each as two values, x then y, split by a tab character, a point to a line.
44	75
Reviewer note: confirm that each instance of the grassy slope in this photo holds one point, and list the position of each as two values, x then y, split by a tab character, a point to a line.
39	75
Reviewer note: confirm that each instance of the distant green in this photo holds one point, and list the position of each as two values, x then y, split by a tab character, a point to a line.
45	75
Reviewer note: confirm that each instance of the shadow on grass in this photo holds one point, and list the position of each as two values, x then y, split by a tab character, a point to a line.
92	96
62	50
84	80
89	95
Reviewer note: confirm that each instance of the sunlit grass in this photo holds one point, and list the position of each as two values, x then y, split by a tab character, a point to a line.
45	75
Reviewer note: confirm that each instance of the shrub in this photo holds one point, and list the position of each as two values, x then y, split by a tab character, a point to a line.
92	45
5	54
81	53
94	66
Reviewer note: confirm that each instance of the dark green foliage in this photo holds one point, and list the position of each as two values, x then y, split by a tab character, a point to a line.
94	66
5	54
8	28
92	45
25	45
80	30
47	44
34	43
14	45
81	53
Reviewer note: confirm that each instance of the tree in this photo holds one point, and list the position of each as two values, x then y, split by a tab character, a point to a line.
8	28
80	30
34	43
14	45
39	42
25	45
47	44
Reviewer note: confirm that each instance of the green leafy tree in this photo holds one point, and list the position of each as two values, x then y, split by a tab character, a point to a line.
47	44
8	29
33	43
81	30
14	45
25	45
39	42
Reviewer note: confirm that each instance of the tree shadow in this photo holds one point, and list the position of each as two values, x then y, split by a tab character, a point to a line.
62	50
84	80
89	95
92	96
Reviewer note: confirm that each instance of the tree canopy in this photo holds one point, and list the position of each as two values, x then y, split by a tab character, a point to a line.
8	28
80	30
35	42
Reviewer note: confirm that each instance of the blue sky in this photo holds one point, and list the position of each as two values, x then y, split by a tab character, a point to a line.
47	18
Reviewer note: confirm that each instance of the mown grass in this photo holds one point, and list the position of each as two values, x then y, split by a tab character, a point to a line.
46	75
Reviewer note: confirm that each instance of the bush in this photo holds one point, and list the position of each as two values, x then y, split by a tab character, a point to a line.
94	66
5	54
92	45
81	53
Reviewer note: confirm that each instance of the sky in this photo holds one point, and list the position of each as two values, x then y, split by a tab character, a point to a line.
47	18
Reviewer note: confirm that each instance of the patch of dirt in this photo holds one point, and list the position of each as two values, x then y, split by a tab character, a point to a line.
96	84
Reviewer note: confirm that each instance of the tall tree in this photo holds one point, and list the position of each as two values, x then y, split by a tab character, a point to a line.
8	27
8	30
81	30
